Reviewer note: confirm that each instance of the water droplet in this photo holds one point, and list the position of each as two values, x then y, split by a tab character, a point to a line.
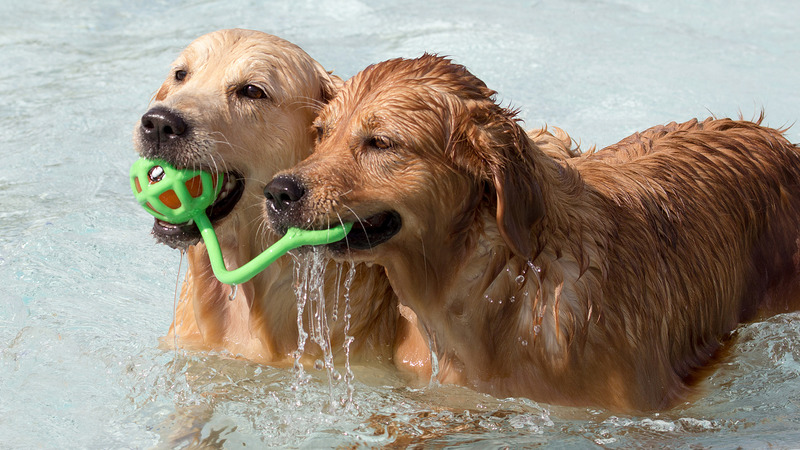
234	290
520	279
512	299
319	365
536	329
524	343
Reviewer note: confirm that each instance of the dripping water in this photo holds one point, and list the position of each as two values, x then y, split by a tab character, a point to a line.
315	320
175	304
347	400
302	279
234	291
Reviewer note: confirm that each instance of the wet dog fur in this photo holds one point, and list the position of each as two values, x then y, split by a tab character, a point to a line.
606	279
242	102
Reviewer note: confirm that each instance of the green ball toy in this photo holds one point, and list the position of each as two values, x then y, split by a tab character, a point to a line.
180	195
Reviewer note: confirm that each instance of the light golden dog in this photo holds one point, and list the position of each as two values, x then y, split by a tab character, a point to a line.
242	102
608	279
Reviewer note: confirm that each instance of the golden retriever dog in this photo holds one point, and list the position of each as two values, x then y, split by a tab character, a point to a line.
607	279
242	102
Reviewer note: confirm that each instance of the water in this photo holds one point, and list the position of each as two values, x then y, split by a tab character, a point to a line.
309	289
86	293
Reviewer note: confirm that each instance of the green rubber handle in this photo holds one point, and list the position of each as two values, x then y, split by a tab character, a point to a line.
294	238
179	195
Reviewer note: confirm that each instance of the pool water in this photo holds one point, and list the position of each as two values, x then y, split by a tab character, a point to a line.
86	293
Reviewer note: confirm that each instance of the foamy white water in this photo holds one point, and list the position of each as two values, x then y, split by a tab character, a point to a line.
86	293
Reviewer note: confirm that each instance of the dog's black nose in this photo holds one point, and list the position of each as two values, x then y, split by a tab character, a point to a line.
283	192
161	125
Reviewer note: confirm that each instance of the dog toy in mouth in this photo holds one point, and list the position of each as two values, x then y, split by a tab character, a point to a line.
182	195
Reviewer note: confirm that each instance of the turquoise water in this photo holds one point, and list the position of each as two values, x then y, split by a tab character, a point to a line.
86	293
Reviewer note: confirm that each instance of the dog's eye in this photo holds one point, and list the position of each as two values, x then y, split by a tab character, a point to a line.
380	142
180	75
320	133
253	92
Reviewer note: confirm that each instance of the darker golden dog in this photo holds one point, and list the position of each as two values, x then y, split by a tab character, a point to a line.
607	279
242	102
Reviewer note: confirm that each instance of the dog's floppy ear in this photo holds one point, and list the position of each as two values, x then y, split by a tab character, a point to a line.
331	84
494	148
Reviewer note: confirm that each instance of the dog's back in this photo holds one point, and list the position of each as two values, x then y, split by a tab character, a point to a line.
706	227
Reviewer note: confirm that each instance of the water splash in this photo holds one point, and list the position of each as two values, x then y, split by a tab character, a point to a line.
311	305
347	400
434	381
302	278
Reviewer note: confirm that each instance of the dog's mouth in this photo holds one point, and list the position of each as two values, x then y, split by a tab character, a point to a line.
185	234
370	232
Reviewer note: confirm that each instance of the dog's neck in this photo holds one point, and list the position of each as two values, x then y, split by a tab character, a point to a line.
484	307
467	298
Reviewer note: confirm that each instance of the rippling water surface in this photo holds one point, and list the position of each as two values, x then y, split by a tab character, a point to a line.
86	293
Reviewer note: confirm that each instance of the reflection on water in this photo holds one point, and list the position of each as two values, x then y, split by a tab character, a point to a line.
86	293
187	399
218	399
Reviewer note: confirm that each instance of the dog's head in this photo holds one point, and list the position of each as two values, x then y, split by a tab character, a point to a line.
412	150
239	102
